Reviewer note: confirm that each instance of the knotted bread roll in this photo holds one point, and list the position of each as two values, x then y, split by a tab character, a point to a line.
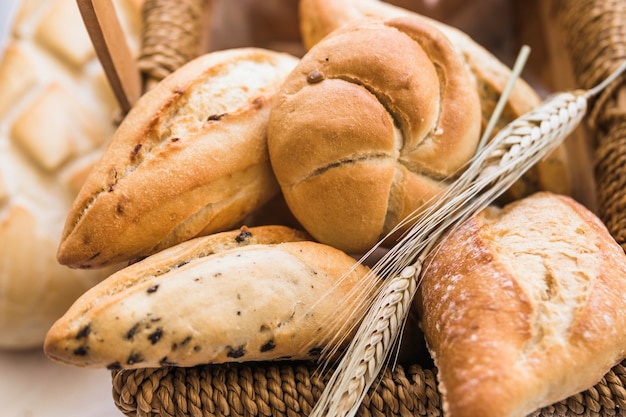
265	293
318	18
189	159
523	307
372	123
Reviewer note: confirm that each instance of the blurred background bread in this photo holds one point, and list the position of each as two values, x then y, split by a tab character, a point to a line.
56	113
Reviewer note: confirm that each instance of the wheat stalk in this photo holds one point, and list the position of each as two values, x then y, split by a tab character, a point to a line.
496	166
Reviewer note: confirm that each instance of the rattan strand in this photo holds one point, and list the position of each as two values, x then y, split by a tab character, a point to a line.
595	34
170	37
291	389
171	29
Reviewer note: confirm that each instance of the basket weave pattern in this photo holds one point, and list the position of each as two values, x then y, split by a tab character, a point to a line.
597	46
291	389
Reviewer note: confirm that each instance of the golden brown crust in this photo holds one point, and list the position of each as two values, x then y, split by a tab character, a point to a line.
189	159
261	293
370	105
318	18
521	307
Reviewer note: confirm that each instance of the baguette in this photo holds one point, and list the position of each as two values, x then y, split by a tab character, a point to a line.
189	159
523	306
263	293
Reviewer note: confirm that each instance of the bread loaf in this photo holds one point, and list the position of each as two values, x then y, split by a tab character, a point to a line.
56	113
523	306
252	294
320	17
189	159
372	123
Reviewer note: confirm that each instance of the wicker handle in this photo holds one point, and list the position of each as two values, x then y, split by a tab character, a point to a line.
174	32
596	43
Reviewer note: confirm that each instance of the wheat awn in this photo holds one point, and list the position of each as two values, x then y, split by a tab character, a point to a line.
516	148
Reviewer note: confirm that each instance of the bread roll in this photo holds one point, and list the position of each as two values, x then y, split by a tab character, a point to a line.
189	159
371	124
320	17
523	307
246	295
56	112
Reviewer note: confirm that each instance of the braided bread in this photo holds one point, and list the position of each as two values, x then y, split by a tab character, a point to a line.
371	124
318	18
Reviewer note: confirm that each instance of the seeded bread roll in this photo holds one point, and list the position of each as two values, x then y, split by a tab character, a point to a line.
523	307
374	121
248	295
56	113
189	159
320	17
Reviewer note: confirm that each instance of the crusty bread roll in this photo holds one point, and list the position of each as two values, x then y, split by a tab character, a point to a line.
523	307
262	293
320	17
56	112
189	159
372	123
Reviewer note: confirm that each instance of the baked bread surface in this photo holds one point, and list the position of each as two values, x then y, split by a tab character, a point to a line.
523	307
265	293
318	18
372	123
189	159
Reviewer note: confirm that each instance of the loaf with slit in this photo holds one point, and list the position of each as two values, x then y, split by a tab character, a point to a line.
265	293
189	159
523	306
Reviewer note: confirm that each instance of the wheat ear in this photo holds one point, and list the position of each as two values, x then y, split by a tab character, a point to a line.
515	149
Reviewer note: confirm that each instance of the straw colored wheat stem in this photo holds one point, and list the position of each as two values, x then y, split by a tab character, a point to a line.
515	149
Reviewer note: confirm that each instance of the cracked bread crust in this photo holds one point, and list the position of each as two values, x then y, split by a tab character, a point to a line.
370	125
189	159
523	306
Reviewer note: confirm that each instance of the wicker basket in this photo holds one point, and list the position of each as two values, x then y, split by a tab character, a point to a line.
589	36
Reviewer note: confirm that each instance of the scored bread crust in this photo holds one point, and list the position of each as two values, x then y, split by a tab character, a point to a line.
318	18
369	126
523	307
264	293
189	159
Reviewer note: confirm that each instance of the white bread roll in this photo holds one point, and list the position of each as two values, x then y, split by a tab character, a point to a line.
56	113
320	17
189	159
374	121
523	307
253	294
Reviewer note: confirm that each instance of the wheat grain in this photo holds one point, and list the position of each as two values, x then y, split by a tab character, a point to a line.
515	149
